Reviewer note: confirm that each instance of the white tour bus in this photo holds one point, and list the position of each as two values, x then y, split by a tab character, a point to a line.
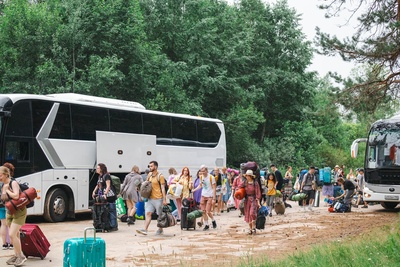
55	142
382	162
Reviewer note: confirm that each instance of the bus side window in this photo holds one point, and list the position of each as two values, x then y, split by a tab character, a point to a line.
17	151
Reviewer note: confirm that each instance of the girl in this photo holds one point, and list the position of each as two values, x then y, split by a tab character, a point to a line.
252	201
9	191
186	181
129	192
271	187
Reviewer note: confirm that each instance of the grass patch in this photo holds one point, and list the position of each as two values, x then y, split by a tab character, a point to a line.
380	247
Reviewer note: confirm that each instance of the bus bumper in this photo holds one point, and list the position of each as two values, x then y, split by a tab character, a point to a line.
371	196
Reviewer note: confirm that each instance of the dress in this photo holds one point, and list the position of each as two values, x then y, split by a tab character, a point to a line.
253	192
129	188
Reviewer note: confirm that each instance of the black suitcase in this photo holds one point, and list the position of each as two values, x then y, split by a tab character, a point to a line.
185	224
101	217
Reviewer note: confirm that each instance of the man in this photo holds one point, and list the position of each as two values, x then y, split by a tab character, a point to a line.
308	186
337	173
360	188
157	199
349	189
278	175
208	196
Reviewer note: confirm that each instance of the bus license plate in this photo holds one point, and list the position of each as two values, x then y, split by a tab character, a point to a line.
389	197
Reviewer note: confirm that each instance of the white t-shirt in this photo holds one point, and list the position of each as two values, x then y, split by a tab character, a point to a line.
207	189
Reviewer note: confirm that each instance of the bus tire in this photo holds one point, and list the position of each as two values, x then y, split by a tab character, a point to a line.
389	205
56	206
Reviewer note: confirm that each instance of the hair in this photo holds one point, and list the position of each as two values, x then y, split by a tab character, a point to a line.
103	168
135	168
172	171
4	170
288	167
272	165
186	169
273	175
311	168
10	167
340	180
154	162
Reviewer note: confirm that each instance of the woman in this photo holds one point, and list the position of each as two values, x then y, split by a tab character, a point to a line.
271	191
172	174
351	176
186	181
129	192
237	183
252	201
3	228
9	191
226	187
104	190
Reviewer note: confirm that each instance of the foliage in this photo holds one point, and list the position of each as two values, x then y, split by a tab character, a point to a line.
245	64
375	43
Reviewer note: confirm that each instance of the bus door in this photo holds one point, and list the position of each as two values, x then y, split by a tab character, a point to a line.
120	151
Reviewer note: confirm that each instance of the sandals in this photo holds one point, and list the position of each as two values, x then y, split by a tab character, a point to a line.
251	232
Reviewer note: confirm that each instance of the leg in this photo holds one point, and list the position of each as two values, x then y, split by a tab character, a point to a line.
129	204
219	204
179	207
15	239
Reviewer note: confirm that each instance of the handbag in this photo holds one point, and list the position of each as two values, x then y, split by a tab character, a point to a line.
175	191
166	219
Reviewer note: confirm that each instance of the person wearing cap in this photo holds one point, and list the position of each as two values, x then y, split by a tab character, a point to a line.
252	201
360	187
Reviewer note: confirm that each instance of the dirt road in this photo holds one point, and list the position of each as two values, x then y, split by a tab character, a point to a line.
225	246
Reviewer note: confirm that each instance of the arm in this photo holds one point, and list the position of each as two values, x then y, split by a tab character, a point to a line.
162	182
108	186
12	194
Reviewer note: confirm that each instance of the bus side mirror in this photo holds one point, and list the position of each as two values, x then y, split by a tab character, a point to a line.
354	146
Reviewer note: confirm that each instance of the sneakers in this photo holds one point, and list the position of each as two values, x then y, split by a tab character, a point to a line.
130	221
7	246
19	261
206	228
214	223
12	260
160	231
200	224
270	214
141	231
364	207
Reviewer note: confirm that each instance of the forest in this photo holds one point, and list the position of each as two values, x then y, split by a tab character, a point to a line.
243	63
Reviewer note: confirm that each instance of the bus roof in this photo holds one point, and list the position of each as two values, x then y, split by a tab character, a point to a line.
99	102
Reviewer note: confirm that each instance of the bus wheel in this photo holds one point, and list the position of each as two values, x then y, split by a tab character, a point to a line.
55	209
389	205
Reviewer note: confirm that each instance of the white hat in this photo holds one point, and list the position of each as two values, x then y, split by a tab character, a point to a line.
337	166
249	172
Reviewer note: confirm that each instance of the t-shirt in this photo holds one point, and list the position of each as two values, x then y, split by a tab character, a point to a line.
348	185
308	181
207	188
156	192
279	180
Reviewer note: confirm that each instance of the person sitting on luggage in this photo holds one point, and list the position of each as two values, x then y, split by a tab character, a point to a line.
11	190
349	190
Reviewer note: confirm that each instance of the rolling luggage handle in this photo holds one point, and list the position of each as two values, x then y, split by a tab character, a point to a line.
94	234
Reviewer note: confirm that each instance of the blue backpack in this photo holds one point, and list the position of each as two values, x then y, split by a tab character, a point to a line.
327	176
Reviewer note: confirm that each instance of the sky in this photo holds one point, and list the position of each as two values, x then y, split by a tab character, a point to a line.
311	17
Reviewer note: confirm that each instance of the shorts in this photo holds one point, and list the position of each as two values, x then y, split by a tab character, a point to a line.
309	193
206	203
154	205
19	217
2	213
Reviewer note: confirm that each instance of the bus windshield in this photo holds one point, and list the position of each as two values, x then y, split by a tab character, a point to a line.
383	146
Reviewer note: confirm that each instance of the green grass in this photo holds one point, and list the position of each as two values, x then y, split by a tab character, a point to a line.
378	248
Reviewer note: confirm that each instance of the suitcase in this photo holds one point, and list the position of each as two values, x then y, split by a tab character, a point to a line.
101	217
86	251
33	241
185	224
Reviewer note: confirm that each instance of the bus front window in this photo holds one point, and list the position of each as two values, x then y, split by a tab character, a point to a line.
384	147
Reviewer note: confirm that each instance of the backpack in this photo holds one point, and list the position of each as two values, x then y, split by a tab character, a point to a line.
260	222
22	188
146	187
327	176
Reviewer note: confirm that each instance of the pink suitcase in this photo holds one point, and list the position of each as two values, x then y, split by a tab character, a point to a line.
33	241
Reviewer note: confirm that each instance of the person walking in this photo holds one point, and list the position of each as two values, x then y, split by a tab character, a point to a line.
238	183
308	186
252	201
157	198
105	189
185	180
278	176
4	231
129	192
208	196
11	190
271	191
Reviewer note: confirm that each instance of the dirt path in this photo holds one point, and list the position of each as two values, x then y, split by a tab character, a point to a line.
225	246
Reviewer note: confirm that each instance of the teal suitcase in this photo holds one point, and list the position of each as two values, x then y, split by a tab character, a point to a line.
85	252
